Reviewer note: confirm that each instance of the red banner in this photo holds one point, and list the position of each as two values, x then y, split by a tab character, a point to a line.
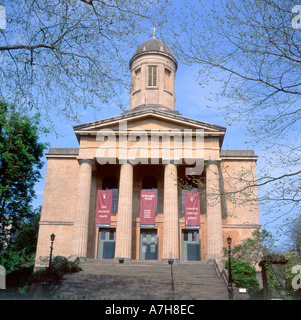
192	210
103	208
147	209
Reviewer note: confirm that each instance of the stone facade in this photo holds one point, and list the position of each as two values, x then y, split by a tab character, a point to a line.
228	197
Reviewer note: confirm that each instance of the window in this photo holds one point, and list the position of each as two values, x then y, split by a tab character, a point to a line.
103	235
185	234
195	235
112	234
149	182
167	80
136	80
114	200
111	183
152	76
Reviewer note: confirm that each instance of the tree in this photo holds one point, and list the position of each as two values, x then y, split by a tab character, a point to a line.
20	255
251	48
61	57
252	249
293	261
20	164
295	237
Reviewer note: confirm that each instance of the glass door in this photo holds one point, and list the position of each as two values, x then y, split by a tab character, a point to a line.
106	244
148	244
190	245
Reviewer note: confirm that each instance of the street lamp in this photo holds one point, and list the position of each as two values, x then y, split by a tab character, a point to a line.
230	287
52	237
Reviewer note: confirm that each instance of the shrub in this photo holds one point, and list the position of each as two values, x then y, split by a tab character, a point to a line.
60	266
72	267
244	275
38	276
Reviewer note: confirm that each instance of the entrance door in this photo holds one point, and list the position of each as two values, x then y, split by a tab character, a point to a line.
148	244
190	245
106	244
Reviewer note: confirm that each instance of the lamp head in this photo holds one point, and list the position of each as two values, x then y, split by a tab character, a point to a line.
229	240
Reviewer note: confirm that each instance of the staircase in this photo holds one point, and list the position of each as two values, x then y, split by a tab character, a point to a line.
142	280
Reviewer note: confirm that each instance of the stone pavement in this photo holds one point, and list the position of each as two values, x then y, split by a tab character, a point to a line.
142	280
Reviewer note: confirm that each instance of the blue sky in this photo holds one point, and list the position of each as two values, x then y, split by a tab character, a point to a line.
190	102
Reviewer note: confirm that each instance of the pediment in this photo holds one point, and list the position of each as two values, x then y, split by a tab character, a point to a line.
148	120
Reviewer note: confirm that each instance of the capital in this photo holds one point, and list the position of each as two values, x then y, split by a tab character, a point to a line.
85	160
213	162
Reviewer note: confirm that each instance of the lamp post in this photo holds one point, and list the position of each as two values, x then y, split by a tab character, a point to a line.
52	237
170	262
230	286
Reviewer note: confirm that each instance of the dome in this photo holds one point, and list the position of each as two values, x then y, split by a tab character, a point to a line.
154	45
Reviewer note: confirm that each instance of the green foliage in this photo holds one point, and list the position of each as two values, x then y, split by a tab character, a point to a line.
293	260
38	276
21	253
253	248
60	266
243	275
16	260
20	164
274	282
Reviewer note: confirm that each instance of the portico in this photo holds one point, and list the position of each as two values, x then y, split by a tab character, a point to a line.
149	148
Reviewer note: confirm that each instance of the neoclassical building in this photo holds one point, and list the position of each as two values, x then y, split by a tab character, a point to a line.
149	183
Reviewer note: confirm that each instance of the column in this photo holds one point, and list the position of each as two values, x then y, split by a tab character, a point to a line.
80	226
214	212
171	215
123	248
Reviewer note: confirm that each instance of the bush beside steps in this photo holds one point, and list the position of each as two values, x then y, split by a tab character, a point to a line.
60	266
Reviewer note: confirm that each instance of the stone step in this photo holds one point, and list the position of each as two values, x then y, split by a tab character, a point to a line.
142	280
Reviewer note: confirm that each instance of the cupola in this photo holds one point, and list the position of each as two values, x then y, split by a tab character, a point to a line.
153	67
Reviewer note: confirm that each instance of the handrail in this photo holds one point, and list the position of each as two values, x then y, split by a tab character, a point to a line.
170	262
223	274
